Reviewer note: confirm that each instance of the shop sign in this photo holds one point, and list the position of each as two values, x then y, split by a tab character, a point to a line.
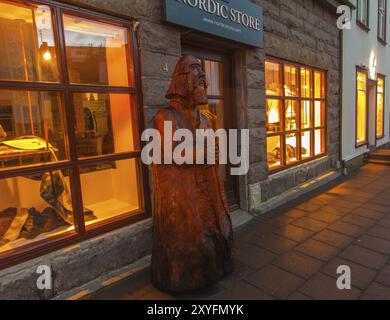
237	20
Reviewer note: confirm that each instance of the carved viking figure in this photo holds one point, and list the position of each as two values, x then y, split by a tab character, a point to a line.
192	228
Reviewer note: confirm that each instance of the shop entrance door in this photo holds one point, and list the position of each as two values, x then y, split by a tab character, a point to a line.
218	69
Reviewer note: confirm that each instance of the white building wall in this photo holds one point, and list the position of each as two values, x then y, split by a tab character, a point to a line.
361	48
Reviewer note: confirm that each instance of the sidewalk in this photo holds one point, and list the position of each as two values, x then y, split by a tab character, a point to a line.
294	252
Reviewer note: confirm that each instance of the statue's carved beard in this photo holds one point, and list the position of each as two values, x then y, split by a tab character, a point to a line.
198	94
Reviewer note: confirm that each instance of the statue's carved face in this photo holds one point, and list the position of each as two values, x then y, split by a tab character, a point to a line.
189	82
197	84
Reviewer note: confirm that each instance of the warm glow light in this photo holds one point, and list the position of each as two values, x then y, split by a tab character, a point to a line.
47	56
273	116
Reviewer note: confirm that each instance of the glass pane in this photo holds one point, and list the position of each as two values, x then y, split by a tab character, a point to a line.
361	130
306	119
306	83
292	115
319	84
291	148
111	189
306	144
96	52
380	109
274	111
104	123
214	77
319	114
31	128
291	81
273	79
28	50
319	142
34	208
273	152
215	113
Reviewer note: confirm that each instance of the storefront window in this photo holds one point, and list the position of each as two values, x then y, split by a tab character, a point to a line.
96	52
380	108
300	135
69	151
35	207
361	108
32	128
28	50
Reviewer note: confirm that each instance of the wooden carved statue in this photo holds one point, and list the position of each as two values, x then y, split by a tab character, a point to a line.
193	235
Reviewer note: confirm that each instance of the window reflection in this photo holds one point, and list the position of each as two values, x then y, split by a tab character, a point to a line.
273	79
380	109
104	123
35	207
31	128
274	152
361	130
274	119
96	52
28	51
111	189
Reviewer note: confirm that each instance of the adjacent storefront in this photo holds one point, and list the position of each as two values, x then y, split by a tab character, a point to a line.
80	81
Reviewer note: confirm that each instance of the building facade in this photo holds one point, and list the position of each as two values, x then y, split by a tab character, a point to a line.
365	117
80	81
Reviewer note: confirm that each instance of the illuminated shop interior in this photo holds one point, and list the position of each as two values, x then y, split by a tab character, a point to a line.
361	112
380	108
34	130
296	115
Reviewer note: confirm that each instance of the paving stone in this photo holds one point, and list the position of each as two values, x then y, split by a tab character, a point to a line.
309	207
299	264
385	222
240	271
368	213
379	232
374	243
344	203
295	213
254	256
358	220
384	276
274	243
317	249
242	291
347	229
282	221
361	276
298	296
275	281
365	257
340	211
333	238
323	287
310	224
377	207
294	233
376	291
325	216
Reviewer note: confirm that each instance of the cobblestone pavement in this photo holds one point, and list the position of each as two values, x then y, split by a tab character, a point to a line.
294	252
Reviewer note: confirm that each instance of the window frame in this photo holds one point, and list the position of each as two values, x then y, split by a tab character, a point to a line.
361	24
66	90
384	39
366	142
383	78
299	131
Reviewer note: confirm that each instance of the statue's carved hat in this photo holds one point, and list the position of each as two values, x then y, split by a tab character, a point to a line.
179	85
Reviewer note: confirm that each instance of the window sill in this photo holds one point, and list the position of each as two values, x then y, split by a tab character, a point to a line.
381	41
363	26
361	144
